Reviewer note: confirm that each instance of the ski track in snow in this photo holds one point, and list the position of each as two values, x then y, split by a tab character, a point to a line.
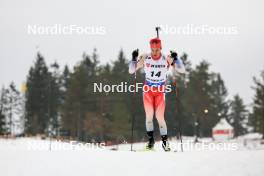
16	160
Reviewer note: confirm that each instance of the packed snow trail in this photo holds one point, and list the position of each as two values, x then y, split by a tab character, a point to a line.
105	162
68	163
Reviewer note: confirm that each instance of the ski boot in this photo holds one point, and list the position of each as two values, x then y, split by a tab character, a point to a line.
151	142
165	143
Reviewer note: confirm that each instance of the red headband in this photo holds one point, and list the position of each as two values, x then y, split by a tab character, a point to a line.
155	43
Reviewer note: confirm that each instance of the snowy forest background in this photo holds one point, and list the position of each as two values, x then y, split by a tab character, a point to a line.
58	101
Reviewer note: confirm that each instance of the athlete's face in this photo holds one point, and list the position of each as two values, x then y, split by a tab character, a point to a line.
155	51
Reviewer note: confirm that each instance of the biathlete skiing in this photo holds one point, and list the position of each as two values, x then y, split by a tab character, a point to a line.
156	66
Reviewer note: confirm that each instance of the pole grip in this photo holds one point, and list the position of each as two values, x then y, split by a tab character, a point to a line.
157	30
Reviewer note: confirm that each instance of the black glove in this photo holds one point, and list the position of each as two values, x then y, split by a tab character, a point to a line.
174	55
135	55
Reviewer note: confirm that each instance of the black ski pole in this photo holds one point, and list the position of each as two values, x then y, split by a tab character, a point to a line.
178	108
133	105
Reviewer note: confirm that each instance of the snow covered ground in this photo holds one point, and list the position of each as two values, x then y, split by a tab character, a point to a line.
35	157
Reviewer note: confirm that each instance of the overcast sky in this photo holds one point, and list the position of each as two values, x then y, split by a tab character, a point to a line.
130	24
